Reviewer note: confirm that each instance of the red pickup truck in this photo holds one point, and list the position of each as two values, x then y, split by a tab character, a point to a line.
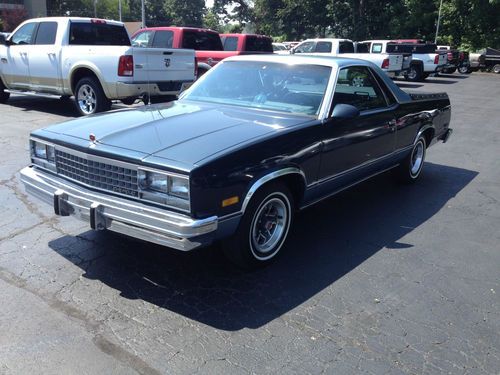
206	43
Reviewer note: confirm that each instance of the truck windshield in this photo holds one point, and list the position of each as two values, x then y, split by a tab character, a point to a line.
279	87
201	41
98	34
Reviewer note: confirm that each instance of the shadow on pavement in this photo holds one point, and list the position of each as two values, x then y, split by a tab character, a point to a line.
404	85
328	241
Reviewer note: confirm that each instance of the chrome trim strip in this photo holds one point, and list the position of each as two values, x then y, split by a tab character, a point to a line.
268	177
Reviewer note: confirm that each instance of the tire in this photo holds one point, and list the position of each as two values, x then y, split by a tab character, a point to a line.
128	101
411	167
90	98
464	69
250	247
496	69
4	96
415	74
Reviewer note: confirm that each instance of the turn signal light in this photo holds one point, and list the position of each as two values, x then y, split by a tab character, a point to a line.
126	66
230	201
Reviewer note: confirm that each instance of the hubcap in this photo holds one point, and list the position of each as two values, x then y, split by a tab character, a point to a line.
269	226
358	81
87	99
417	158
412	74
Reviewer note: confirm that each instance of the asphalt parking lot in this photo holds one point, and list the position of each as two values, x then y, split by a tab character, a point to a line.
381	279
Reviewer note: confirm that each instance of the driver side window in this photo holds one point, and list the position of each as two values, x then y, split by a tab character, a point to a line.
357	86
24	35
305	47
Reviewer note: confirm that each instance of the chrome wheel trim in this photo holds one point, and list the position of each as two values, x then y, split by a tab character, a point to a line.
269	226
358	81
496	68
417	158
412	74
87	99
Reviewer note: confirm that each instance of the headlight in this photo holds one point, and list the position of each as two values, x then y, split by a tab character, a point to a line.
43	154
164	188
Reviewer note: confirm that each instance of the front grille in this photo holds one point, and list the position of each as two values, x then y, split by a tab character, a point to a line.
96	174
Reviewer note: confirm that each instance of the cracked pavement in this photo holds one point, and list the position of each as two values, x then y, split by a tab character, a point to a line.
381	279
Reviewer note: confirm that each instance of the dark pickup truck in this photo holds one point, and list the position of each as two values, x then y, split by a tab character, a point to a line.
256	140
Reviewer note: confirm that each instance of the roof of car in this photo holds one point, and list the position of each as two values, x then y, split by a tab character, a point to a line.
326	60
76	19
327	40
199	29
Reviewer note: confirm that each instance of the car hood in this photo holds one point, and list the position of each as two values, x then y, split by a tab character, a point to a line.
187	132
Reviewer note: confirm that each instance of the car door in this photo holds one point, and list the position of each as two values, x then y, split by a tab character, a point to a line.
17	60
44	60
356	147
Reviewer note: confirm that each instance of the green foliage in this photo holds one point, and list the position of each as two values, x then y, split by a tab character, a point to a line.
211	21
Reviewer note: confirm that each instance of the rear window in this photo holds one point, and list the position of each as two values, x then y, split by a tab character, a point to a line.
323	47
201	41
230	43
46	33
411	48
258	44
363	48
163	39
346	47
98	34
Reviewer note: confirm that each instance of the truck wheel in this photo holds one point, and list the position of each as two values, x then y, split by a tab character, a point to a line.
464	69
4	96
496	69
263	228
415	74
90	98
409	169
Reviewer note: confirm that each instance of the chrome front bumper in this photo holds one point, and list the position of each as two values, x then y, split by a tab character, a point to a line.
103	211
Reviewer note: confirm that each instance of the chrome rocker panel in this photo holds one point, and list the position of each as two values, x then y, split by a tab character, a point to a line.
104	211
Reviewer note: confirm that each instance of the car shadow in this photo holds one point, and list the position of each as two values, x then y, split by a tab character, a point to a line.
454	76
327	242
59	107
441	80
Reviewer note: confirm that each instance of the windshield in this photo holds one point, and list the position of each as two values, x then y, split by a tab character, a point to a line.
274	86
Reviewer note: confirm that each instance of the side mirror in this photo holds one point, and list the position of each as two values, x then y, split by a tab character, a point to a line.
3	40
345	111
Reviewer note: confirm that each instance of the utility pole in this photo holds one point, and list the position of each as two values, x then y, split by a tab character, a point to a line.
143	10
95	8
120	9
439	20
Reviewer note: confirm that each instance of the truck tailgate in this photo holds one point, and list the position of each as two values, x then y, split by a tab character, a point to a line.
162	64
395	62
443	58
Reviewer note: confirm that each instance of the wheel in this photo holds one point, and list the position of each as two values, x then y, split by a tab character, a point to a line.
128	101
415	74
464	69
358	81
4	96
263	228
90	98
496	69
410	168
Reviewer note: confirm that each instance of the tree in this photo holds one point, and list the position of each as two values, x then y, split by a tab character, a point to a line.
11	18
185	13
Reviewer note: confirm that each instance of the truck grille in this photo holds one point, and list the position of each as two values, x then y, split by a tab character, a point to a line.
102	176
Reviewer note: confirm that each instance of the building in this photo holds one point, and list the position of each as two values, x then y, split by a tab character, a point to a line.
33	8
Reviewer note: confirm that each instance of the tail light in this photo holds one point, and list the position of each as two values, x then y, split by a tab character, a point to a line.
126	66
195	66
385	64
436	59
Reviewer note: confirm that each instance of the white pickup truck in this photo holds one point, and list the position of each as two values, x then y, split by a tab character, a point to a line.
91	59
392	64
425	59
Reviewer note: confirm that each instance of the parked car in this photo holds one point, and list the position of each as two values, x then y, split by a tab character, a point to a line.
280	49
426	59
382	47
453	59
208	45
91	59
490	60
254	140
389	63
247	43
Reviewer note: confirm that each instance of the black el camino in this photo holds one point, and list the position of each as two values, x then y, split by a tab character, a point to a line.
254	140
